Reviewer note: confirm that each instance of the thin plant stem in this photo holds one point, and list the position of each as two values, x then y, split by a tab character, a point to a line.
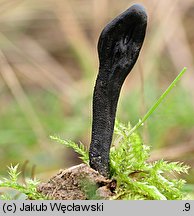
158	102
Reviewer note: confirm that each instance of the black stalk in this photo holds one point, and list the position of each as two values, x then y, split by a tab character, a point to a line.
118	49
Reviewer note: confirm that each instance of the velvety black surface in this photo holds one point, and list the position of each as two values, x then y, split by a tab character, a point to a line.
118	49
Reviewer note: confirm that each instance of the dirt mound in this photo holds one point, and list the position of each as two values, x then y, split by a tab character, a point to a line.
78	183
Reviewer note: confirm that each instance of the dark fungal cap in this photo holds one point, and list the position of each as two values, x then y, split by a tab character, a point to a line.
138	8
135	13
123	24
139	11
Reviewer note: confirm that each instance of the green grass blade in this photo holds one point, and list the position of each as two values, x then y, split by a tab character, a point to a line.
158	102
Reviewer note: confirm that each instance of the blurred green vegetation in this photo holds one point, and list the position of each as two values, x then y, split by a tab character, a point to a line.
48	65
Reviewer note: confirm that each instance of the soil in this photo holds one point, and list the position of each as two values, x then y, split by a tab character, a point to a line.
78	183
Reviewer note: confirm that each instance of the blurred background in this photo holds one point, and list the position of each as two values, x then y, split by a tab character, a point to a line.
48	67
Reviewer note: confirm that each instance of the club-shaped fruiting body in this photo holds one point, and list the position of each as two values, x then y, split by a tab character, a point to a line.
118	49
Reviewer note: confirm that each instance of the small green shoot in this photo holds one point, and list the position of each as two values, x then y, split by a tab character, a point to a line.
29	189
84	156
136	177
